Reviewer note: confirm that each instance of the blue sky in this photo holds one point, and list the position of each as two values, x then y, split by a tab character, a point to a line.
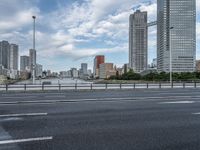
70	32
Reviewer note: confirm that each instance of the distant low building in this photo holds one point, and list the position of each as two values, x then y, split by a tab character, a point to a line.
198	65
3	71
75	73
106	70
24	75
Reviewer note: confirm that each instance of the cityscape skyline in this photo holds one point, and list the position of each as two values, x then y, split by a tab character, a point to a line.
66	55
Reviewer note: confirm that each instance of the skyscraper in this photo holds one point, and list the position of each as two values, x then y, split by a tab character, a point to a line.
5	54
14	54
24	62
100	59
176	31
138	41
32	60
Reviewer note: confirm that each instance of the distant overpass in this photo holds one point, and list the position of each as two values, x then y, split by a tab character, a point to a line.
150	24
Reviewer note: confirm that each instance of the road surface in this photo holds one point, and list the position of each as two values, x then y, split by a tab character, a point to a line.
162	119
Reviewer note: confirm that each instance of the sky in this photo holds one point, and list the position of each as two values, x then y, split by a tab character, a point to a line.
71	32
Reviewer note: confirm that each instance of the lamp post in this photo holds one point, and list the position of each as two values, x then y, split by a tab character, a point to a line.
170	53
34	65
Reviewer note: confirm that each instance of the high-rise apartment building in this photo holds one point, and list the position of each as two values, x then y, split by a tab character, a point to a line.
100	59
14	54
5	54
32	60
176	20
24	63
138	41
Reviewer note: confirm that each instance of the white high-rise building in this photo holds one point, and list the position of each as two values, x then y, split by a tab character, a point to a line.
176	20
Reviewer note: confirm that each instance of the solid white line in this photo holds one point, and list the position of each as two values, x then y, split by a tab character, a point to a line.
25	140
178	102
22	115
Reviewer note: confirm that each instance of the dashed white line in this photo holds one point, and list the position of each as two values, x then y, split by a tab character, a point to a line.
178	102
23	115
26	140
198	113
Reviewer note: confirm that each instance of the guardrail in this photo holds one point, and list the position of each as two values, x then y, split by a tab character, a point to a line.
60	87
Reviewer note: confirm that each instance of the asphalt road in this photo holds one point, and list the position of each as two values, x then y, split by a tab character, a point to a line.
165	119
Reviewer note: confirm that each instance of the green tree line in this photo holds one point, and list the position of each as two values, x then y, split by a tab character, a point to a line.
155	76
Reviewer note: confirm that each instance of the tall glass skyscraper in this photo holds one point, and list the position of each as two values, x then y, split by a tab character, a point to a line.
176	31
138	41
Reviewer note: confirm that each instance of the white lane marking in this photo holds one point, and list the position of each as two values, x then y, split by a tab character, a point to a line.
196	113
23	115
26	140
178	102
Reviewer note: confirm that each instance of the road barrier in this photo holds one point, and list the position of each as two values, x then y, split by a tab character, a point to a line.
60	87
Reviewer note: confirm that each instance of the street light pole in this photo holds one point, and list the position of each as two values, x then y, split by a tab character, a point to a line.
170	53
33	73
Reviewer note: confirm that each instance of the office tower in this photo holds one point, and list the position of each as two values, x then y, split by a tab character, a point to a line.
176	21
84	68
5	54
24	63
100	59
14	54
32	60
138	41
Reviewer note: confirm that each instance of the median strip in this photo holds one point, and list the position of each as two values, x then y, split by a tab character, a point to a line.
25	140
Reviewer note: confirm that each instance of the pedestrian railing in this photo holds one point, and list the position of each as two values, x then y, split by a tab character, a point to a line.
60	87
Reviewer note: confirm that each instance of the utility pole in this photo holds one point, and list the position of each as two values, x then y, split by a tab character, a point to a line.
34	65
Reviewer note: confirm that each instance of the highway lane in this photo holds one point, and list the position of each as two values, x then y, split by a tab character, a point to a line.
144	121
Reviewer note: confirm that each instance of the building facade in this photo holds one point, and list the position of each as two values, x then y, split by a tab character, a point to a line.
14	55
5	54
100	59
176	21
24	63
106	70
39	70
138	35
32	60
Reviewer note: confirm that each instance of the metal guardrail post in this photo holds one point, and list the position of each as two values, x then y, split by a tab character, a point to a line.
134	85
195	84
42	87
76	86
147	85
59	87
6	87
90	86
160	86
24	87
184	85
120	86
106	86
